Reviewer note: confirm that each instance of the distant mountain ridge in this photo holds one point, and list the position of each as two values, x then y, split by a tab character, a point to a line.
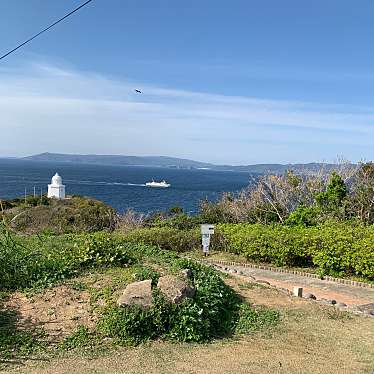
171	162
157	161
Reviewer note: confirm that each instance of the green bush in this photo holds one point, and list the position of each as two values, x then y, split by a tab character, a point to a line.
334	248
75	215
179	221
167	238
131	325
42	261
102	249
304	216
216	212
333	197
262	243
141	273
211	313
214	309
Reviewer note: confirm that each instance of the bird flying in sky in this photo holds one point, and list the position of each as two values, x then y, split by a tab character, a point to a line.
138	91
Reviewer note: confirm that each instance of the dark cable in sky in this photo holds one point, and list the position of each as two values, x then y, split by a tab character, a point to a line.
46	29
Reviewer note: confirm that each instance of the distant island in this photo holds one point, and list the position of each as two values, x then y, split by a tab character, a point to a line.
171	162
119	160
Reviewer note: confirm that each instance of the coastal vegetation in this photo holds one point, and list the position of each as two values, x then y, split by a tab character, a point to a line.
300	199
337	249
33	264
74	215
320	221
84	250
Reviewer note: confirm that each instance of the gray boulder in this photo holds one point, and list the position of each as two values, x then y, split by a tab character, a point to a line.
175	289
309	296
367	308
341	305
186	273
328	301
137	293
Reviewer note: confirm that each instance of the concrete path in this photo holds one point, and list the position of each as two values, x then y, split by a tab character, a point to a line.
355	298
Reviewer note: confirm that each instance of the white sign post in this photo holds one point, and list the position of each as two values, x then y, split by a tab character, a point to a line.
206	231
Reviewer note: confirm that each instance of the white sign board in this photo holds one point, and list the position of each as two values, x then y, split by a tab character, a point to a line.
207	229
205	239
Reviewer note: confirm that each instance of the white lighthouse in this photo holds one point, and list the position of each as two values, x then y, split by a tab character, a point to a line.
56	189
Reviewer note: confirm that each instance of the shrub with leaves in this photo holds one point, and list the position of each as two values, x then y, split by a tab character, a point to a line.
334	248
167	238
131	325
304	216
211	313
103	249
44	260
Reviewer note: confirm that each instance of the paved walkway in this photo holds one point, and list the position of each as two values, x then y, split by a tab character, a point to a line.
356	298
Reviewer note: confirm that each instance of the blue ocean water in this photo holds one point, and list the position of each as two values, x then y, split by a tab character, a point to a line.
122	187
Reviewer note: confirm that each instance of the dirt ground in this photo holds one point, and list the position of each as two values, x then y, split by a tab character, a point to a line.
311	338
58	311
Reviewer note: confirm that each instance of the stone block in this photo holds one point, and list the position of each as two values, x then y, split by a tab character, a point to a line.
298	291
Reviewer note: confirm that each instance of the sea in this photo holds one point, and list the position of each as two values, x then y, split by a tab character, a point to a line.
122	187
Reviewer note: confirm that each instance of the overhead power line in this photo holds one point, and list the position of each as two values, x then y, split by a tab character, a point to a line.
46	29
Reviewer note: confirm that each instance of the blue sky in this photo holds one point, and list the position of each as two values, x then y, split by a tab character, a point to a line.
223	81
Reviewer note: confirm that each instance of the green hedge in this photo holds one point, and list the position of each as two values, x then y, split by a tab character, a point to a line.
334	248
167	238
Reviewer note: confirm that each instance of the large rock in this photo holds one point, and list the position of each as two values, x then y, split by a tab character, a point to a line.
137	293
367	308
309	296
175	289
186	273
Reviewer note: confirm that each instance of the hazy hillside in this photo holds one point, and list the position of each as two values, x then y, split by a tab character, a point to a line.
274	168
157	161
171	162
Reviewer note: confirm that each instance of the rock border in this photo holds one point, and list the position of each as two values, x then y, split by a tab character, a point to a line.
354	309
295	272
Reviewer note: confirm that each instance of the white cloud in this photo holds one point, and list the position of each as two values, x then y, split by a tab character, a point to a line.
100	115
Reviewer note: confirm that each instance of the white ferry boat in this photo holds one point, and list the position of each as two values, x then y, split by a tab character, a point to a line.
161	184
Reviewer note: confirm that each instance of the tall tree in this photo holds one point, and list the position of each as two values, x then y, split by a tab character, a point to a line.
362	200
